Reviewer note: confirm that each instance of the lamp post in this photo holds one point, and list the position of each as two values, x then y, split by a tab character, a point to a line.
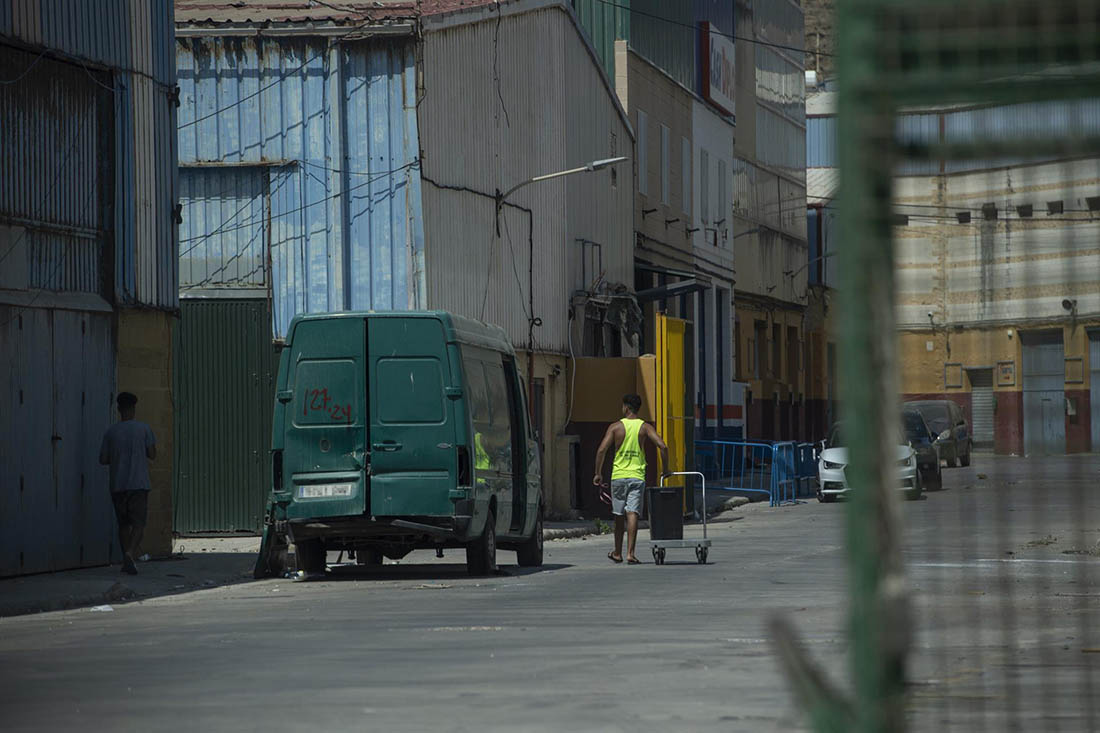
595	165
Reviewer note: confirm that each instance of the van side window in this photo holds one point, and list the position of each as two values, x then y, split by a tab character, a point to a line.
499	406
476	395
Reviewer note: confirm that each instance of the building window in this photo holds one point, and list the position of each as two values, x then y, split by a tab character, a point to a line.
777	350
738	355
704	186
666	164
792	356
760	343
643	157
685	175
722	208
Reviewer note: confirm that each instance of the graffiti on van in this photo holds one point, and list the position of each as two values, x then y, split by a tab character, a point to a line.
318	400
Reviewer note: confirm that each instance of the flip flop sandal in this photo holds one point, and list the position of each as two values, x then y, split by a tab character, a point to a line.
612	558
633	561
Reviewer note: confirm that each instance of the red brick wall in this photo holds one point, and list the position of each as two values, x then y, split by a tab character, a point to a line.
1078	435
1008	423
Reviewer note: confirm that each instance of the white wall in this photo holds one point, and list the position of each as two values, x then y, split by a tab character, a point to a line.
487	135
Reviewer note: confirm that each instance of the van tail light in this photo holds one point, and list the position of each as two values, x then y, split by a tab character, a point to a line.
463	466
277	470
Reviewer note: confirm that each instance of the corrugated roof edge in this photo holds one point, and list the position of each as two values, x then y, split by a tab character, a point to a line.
459	328
435	22
220	12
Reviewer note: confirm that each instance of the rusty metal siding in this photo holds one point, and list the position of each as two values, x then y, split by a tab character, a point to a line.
531	123
336	128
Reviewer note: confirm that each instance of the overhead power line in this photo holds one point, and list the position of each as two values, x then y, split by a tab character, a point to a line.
222	229
25	71
732	36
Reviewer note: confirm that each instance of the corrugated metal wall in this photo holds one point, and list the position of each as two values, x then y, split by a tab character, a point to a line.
528	123
226	380
1075	118
338	137
52	154
55	507
130	42
87	188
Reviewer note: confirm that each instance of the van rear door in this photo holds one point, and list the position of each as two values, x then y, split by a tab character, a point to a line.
412	421
325	426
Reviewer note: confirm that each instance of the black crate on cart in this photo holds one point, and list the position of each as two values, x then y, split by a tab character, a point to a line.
666	519
666	512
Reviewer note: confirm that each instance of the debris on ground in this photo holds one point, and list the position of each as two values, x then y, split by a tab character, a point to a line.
118	592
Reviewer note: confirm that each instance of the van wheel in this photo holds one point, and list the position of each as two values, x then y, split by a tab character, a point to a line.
529	554
481	554
271	561
310	556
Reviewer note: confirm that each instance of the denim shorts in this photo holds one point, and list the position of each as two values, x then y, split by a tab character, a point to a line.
626	495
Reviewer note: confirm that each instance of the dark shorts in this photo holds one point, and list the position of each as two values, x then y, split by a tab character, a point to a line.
131	507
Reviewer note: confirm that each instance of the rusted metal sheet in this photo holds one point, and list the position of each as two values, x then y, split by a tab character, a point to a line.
346	12
336	146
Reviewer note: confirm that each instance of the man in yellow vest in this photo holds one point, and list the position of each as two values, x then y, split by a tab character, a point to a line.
628	437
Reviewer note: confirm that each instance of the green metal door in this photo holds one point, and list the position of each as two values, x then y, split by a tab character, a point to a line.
412	421
224	391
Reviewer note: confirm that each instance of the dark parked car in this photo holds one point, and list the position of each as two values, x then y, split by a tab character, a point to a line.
923	440
952	430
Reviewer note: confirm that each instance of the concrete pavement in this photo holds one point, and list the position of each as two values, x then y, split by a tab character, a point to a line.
1004	598
196	563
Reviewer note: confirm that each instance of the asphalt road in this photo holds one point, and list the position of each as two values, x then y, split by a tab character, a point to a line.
583	644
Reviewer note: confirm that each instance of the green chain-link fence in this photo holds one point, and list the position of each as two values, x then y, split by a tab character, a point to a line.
969	209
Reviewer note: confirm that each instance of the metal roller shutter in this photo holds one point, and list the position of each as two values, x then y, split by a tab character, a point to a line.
981	407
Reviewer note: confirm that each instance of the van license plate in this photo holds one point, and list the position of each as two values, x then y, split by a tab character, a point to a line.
321	491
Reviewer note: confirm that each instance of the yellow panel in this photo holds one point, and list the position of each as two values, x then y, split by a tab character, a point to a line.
671	407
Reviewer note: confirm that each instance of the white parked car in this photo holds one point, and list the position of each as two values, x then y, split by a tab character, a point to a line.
832	466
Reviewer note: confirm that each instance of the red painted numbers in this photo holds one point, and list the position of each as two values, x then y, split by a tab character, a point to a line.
318	400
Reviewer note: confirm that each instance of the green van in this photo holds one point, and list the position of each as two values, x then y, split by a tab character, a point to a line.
400	431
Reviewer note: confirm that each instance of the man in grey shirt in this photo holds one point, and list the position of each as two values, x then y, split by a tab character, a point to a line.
127	448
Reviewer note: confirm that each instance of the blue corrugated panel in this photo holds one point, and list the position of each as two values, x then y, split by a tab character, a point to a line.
821	142
334	132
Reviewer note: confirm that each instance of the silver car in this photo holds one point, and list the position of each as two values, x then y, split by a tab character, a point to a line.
832	468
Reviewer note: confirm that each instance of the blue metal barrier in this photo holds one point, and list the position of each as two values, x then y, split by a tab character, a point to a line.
752	467
806	468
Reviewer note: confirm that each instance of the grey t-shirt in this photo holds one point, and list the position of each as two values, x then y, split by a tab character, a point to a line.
124	448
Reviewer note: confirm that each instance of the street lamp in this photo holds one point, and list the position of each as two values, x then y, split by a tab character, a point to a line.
595	165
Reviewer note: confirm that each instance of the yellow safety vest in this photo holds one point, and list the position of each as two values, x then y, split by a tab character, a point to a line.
629	459
481	458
